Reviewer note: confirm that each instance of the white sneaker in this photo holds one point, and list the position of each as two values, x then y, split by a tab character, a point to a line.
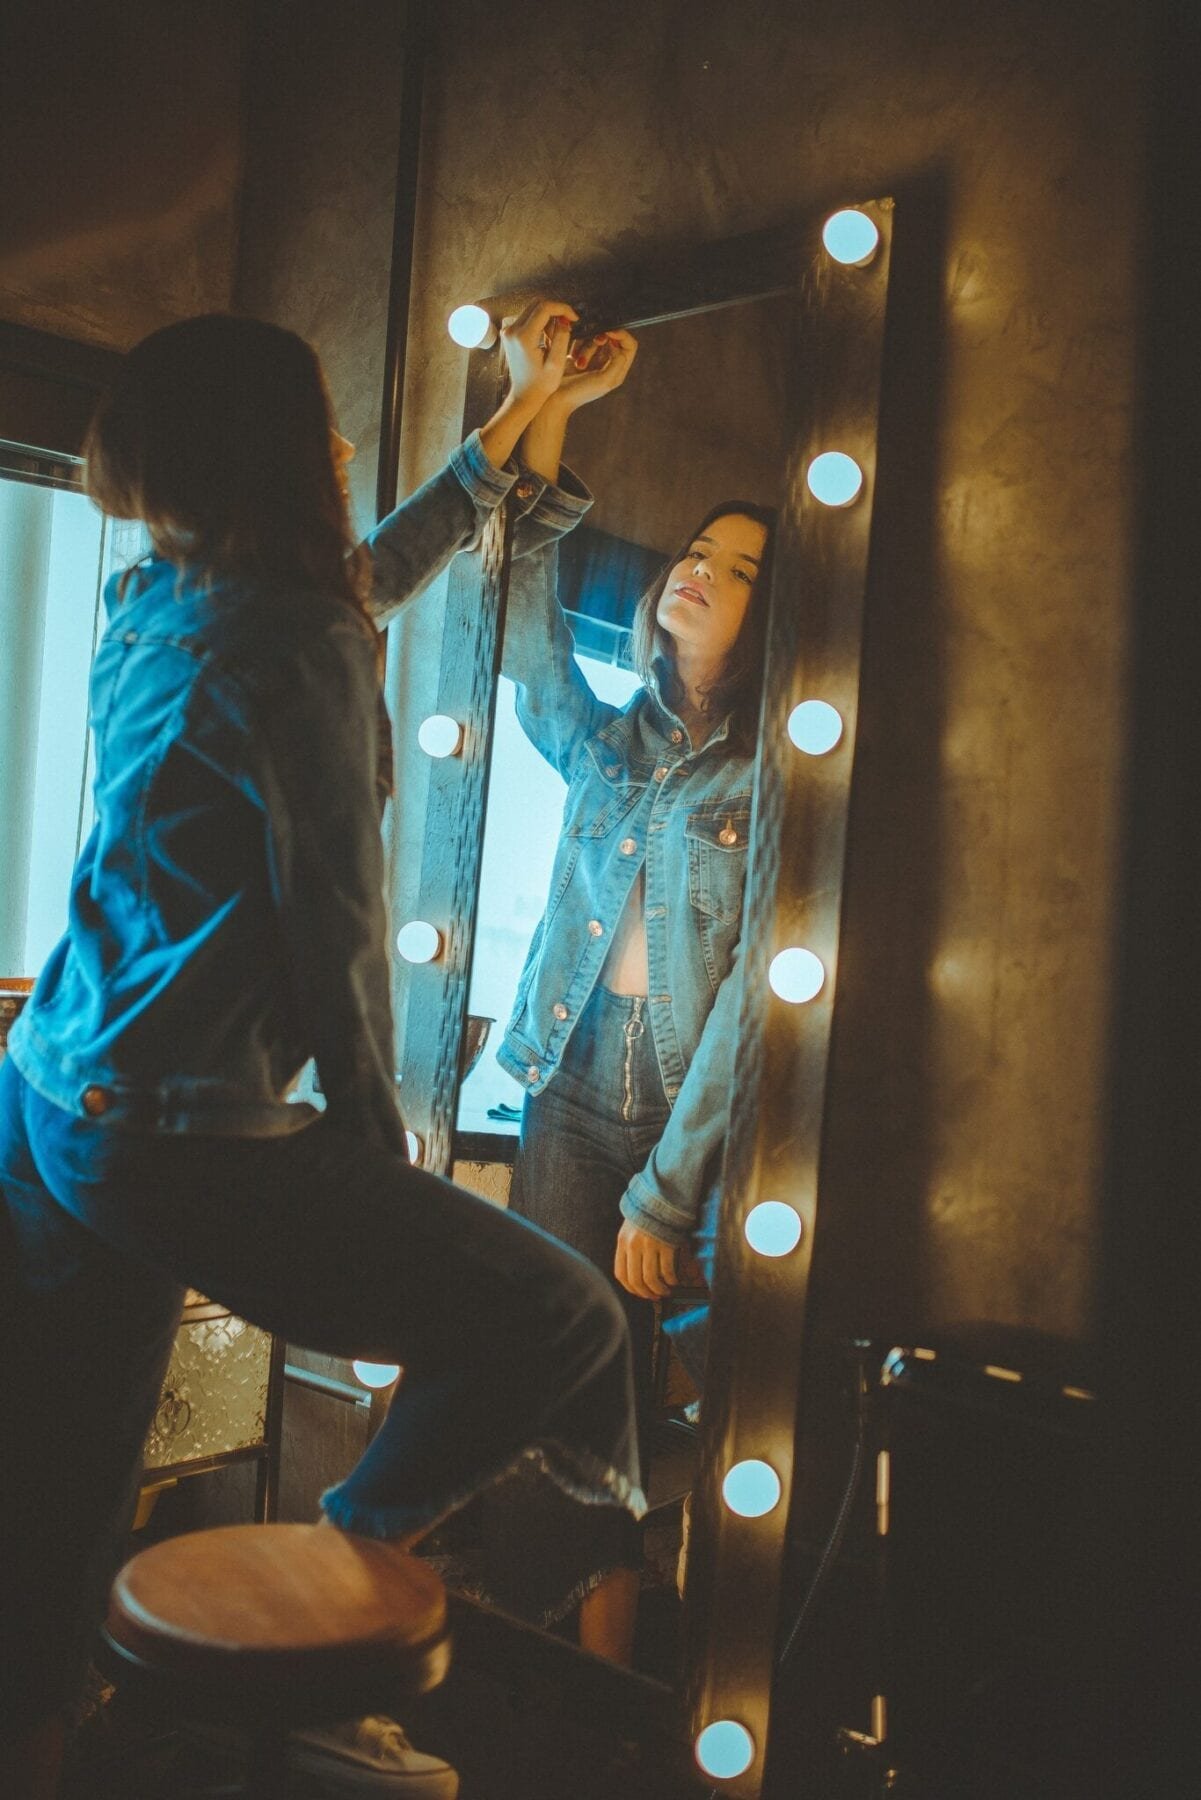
371	1756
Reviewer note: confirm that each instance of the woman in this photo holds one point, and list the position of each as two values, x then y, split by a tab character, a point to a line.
226	924
624	1030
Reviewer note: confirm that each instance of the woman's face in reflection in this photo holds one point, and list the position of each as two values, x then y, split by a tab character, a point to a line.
706	594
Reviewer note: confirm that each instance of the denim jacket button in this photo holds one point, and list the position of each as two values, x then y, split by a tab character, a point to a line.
677	736
525	490
96	1100
533	1072
628	846
596	928
661	773
727	835
559	1010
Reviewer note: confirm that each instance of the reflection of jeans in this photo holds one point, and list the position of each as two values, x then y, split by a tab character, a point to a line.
506	1340
581	1140
689	1331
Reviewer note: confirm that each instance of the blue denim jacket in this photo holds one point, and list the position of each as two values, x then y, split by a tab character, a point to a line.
638	793
226	918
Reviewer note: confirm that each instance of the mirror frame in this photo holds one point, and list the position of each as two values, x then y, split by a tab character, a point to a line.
793	896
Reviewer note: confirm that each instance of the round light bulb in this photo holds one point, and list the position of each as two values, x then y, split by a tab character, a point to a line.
773	1228
415	1148
796	975
375	1375
834	479
850	237
471	328
725	1749
440	735
814	727
751	1488
419	941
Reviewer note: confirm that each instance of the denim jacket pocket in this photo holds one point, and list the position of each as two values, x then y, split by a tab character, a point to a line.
610	796
717	835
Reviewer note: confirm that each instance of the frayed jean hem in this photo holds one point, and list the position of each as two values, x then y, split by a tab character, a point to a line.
575	1473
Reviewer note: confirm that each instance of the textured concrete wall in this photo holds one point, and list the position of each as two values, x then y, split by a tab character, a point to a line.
120	128
963	1127
316	242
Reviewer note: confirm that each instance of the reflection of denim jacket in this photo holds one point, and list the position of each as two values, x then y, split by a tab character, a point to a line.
637	793
226	914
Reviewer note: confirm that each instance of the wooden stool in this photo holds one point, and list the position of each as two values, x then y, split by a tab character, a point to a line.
271	1627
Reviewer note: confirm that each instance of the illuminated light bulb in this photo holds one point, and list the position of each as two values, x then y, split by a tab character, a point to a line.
415	1148
375	1375
850	237
814	727
725	1749
751	1489
834	479
796	975
471	328
773	1228
440	735
419	941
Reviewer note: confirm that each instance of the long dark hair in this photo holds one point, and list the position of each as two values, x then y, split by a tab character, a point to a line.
737	690
217	432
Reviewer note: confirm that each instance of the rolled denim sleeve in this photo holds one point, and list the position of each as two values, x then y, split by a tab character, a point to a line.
664	1198
417	540
555	509
327	873
556	708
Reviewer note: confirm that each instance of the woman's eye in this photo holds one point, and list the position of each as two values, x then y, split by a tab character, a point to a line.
745	575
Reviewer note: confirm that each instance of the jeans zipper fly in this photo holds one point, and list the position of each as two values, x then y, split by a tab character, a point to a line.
633	1029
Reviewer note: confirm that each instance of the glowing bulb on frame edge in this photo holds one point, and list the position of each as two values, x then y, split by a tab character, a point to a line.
796	975
471	328
773	1228
724	1749
440	735
375	1375
419	941
751	1488
815	727
850	237
834	478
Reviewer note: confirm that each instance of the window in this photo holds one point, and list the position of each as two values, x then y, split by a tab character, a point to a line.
56	552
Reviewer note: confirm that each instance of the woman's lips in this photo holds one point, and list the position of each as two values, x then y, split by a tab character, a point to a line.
687	592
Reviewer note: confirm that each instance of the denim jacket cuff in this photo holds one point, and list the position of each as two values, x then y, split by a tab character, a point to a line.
559	504
485	485
650	1212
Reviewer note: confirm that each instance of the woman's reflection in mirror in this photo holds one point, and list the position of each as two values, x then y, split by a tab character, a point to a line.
624	1029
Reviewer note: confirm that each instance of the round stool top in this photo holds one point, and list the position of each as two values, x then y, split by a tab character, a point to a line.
285	1603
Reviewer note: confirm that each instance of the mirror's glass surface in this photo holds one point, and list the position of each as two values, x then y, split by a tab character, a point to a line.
704	417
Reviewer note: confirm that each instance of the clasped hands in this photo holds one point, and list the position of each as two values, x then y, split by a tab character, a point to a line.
544	363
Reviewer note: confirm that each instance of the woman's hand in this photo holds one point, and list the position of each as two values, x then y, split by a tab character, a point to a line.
596	367
535	344
644	1265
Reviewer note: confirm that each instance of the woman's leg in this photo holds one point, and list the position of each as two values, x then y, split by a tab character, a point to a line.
505	1339
582	1139
86	1335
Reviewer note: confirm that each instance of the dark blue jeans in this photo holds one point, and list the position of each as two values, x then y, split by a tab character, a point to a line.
582	1138
510	1345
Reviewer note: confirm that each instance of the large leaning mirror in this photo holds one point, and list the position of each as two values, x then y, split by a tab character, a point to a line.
754	358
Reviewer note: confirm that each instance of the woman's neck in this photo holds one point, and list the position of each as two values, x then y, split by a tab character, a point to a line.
694	678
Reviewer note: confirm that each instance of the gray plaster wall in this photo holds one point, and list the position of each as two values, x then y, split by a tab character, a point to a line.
963	1134
120	164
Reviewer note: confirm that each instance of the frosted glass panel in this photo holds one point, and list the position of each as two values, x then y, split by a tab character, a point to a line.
215	1396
